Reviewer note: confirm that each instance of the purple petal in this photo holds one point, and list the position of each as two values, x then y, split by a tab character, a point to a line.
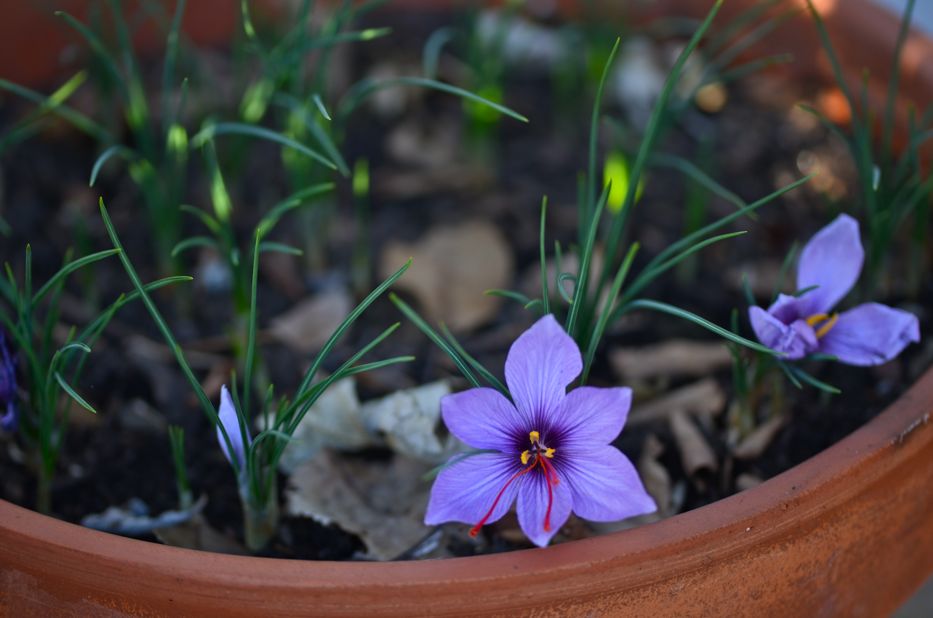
793	341
540	365
483	418
591	416
870	334
465	491
832	260
533	507
786	308
9	420
605	485
228	418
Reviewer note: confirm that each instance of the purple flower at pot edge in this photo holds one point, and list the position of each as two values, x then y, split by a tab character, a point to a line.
552	451
228	418
9	412
797	326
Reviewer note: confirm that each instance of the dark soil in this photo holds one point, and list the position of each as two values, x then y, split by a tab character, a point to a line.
755	144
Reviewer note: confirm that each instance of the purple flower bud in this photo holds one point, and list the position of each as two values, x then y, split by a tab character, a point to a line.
551	449
9	412
228	418
797	326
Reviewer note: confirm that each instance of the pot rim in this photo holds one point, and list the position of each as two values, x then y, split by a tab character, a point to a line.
805	490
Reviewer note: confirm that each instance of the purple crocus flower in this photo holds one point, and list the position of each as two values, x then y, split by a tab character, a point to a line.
9	413
552	448
228	418
797	326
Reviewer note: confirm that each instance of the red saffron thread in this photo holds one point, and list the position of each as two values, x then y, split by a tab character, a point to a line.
550	479
475	529
548	472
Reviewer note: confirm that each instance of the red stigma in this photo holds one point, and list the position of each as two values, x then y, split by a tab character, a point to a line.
475	529
551	480
551	483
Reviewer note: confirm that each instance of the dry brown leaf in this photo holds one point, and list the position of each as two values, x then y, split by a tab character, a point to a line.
453	267
759	439
654	475
333	421
702	398
382	503
306	327
673	358
409	420
696	455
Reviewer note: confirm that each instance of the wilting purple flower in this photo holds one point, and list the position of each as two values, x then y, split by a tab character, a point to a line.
228	418
553	451
798	326
9	413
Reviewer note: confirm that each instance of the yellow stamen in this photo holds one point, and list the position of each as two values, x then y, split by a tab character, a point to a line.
534	436
549	453
825	328
526	455
818	318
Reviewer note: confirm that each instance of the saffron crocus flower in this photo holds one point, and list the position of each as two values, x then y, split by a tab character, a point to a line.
797	326
228	418
9	413
552	451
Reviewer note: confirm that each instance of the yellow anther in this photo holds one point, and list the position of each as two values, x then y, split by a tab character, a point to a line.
825	328
526	455
534	436
816	318
827	321
549	453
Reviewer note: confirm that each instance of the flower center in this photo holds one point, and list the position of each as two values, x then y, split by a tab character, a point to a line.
825	322
537	455
537	449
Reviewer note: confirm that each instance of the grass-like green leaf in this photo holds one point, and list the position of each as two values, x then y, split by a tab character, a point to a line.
238	128
439	341
345	325
117	150
654	305
69	268
81	401
367	87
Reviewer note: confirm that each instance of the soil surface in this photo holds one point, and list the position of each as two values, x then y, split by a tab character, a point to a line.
756	143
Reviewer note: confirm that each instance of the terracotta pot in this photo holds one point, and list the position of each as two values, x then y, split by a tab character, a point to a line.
24	24
849	532
864	35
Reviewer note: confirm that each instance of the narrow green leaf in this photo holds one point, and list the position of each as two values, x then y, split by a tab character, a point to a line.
268	246
106	155
73	394
654	305
76	119
347	322
193	242
237	128
439	341
487	375
367	87
69	268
